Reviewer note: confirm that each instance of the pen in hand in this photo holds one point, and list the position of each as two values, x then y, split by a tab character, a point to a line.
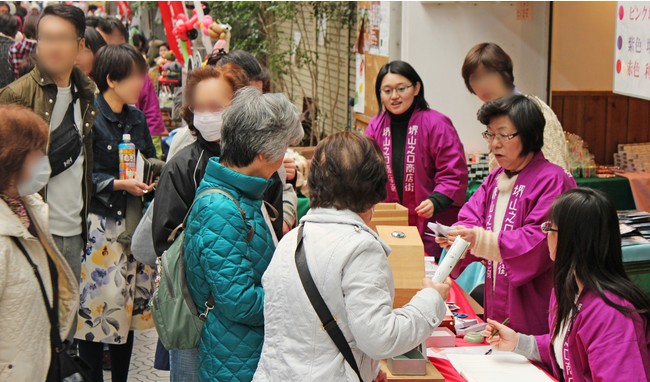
495	332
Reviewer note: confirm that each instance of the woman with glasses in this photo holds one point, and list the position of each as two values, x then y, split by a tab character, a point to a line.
425	160
488	73
502	219
598	318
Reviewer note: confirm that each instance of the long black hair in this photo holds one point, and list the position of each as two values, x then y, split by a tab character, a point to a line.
589	249
404	69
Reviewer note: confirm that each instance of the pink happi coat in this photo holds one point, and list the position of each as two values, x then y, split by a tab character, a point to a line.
434	160
524	280
602	344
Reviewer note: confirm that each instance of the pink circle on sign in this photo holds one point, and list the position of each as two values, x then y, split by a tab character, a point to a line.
621	12
619	42
618	66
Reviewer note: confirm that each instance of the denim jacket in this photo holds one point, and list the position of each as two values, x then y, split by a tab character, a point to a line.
108	132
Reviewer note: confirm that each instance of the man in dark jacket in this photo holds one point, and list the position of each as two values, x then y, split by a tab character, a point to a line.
63	96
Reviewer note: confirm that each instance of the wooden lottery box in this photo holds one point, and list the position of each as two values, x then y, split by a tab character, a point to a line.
406	260
393	214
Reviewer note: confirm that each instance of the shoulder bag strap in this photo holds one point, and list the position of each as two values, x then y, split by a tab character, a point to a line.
203	193
209	304
51	312
328	321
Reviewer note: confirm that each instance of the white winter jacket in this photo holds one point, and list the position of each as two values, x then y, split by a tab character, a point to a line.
24	325
349	265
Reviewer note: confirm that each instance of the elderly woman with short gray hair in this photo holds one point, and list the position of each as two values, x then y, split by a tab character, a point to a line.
228	244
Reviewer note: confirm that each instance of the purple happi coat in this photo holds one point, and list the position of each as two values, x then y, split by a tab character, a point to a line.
524	278
434	160
602	344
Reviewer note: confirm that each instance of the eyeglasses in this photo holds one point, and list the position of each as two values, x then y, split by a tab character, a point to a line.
502	137
400	90
548	227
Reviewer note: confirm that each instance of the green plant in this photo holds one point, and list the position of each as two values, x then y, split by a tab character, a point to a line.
256	29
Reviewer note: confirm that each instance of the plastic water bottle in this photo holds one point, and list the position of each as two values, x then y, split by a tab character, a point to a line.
126	152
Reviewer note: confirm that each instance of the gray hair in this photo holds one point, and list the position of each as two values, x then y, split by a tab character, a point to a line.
257	123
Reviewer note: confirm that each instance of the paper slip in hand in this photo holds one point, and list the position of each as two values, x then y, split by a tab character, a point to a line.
439	229
143	169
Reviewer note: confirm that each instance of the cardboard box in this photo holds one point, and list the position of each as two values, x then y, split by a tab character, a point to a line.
441	338
432	374
406	260
393	214
409	363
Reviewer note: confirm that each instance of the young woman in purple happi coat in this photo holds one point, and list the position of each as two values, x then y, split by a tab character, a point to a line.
425	159
598	317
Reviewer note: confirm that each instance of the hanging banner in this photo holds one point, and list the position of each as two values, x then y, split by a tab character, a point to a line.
632	49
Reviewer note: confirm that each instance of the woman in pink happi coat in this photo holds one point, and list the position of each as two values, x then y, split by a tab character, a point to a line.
425	160
598	317
502	219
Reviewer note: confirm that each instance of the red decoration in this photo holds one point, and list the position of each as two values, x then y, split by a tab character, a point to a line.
166	15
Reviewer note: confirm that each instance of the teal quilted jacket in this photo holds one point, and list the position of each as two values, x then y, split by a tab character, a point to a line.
220	261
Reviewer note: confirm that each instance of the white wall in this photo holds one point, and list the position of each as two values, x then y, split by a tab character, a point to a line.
437	36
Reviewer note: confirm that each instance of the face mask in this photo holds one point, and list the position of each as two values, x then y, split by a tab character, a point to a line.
40	175
209	125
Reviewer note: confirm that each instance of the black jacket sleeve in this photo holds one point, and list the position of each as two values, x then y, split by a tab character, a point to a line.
174	196
273	196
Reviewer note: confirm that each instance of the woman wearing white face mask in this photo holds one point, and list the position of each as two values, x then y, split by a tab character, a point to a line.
209	91
28	334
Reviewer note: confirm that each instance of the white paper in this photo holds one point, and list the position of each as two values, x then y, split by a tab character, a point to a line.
631	64
384	27
439	229
444	352
454	254
139	167
497	366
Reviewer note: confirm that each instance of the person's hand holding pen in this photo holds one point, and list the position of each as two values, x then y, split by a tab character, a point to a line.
505	339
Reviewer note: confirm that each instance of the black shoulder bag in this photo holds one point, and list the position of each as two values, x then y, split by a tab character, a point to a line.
323	312
65	141
63	366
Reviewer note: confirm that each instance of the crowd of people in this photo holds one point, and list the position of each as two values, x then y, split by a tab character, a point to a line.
72	89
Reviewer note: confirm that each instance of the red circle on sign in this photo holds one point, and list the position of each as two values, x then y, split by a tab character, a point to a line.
621	12
618	66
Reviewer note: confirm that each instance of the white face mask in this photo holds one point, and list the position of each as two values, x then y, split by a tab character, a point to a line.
209	125
38	178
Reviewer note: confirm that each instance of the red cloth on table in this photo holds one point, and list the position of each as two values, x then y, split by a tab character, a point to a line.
640	186
444	366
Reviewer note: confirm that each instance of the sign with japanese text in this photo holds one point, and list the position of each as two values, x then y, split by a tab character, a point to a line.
632	49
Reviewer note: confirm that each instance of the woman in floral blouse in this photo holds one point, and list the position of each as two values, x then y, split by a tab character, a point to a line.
115	288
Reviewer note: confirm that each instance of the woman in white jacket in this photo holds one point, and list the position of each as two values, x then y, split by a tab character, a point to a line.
25	330
348	263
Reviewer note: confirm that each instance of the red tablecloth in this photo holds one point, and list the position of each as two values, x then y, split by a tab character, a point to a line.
640	186
444	366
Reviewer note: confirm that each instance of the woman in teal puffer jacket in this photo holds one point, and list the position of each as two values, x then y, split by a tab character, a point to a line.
221	259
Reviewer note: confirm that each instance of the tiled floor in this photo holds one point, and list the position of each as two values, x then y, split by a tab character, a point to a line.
141	369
